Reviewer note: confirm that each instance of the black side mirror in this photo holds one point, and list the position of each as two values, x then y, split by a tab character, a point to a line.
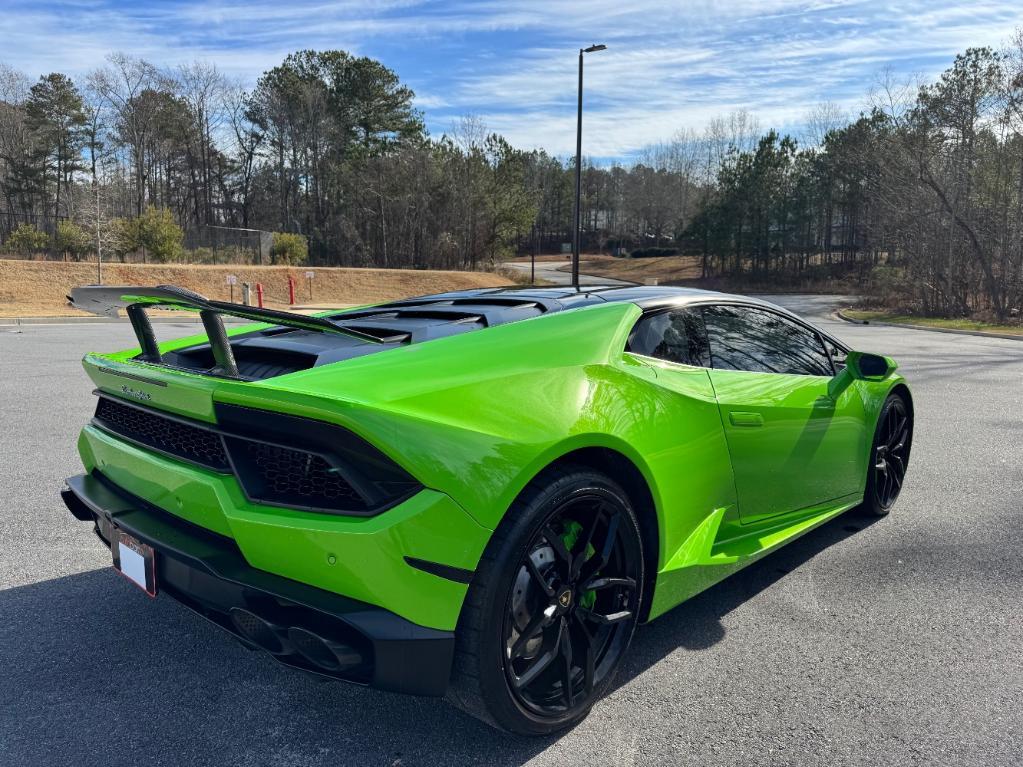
869	367
860	366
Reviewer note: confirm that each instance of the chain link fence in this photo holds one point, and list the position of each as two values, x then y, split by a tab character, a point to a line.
227	245
207	244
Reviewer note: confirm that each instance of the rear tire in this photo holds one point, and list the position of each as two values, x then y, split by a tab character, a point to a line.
552	607
889	456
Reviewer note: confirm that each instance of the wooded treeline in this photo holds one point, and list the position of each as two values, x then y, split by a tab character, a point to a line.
920	198
325	145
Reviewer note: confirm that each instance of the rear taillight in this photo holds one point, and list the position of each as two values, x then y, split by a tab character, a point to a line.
301	463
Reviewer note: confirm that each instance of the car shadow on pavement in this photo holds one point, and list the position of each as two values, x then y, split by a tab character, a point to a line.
93	672
697	624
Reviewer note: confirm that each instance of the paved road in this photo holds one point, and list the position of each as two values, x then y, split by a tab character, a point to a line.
896	642
550	271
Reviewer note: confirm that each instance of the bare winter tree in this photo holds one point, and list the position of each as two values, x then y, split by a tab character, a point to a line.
204	90
125	83
821	120
243	145
17	176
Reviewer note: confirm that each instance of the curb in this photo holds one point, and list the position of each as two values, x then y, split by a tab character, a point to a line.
841	315
979	333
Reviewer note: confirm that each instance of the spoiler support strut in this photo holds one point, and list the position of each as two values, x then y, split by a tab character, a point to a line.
107	300
222	353
144	332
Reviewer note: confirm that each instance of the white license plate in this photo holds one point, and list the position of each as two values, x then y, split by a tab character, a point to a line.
135	561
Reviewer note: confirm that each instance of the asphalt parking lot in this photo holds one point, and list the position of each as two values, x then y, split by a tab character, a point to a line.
894	642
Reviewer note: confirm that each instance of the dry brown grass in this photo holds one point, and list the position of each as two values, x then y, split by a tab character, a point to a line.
662	268
566	259
38	288
550	257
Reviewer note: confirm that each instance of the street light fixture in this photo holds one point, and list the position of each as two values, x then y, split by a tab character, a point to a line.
578	167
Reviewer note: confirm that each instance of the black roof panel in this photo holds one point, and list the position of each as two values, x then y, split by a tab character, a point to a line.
277	350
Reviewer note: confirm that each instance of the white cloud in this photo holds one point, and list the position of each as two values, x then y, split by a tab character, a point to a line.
513	62
655	81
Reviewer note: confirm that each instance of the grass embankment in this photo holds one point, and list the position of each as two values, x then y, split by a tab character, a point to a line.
686	270
550	258
933	322
38	288
664	269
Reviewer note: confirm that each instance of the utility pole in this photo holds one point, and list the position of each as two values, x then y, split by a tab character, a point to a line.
577	218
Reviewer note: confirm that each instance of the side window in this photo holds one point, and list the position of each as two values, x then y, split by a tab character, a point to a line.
746	338
674	336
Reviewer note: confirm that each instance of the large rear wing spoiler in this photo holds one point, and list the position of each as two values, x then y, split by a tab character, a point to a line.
108	300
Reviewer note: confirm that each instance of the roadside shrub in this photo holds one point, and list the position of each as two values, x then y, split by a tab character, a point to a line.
155	231
160	234
26	240
289	249
653	252
124	236
889	287
72	240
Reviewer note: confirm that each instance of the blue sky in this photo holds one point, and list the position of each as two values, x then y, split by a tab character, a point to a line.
668	65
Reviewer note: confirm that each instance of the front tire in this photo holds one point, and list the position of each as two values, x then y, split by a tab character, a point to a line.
889	456
553	605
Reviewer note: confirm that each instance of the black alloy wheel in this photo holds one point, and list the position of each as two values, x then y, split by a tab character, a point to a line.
890	456
553	605
572	608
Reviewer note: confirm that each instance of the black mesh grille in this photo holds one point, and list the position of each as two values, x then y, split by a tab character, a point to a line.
162	433
334	471
283	475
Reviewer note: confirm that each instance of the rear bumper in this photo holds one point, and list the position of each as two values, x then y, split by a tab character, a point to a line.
364	558
299	625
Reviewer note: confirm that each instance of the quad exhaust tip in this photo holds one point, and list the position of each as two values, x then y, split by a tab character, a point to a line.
256	630
323	653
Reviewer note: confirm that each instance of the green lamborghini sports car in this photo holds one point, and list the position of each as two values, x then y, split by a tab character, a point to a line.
476	494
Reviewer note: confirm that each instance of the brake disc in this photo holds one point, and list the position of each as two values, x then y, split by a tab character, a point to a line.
525	600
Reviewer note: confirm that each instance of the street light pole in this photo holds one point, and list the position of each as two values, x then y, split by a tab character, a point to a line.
99	239
577	218
532	256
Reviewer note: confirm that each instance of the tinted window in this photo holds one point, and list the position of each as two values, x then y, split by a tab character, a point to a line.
673	336
743	338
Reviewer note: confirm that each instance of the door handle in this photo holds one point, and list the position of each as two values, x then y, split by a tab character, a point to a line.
739	418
